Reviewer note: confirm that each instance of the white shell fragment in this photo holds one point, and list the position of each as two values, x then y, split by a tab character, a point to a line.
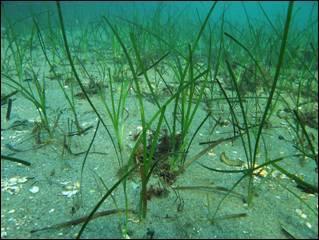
13	181
12	189
13	184
12	211
34	189
51	210
22	180
298	211
308	224
69	193
211	153
301	214
70	190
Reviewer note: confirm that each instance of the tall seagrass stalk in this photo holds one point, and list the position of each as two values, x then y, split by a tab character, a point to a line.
96	112
78	78
250	152
271	94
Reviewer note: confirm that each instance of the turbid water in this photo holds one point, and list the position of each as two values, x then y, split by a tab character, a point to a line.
206	195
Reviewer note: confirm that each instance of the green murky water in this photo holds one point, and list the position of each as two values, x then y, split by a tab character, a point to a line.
215	106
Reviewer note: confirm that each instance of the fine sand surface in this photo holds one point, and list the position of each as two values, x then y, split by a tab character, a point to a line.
50	193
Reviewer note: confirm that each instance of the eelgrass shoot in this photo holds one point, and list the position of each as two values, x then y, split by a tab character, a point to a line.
132	96
249	149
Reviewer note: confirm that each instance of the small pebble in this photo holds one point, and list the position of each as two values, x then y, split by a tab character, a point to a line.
34	189
211	153
298	211
69	193
77	184
12	211
65	182
304	216
3	234
13	181
275	174
51	210
308	224
22	180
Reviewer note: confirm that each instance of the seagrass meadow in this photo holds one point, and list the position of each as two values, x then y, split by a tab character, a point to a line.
159	120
